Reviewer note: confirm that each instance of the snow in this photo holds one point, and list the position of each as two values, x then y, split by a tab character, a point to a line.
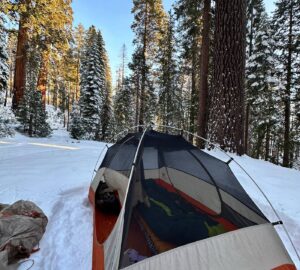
55	173
57	180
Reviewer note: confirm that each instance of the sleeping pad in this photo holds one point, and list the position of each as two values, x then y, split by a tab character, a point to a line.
173	219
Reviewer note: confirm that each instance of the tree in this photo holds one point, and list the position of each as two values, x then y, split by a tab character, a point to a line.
4	69
30	112
92	84
38	20
76	128
227	103
203	84
286	30
168	102
149	20
106	113
32	115
79	43
255	12
123	107
189	14
261	89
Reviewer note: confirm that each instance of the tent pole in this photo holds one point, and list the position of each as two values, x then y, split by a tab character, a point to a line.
133	167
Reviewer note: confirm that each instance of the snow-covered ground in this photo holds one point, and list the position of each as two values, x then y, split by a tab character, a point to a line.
57	180
56	172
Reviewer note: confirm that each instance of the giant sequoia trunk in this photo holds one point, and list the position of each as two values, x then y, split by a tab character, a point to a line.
42	78
203	88
20	66
226	125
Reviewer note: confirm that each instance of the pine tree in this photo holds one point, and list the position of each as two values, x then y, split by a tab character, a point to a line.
255	13
148	25
261	89
76	128
79	43
227	103
107	112
4	69
189	15
202	116
286	32
123	107
31	114
36	19
92	85
168	103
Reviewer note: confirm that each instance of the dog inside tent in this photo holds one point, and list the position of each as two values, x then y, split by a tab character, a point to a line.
161	203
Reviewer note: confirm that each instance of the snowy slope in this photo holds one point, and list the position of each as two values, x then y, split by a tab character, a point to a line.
56	172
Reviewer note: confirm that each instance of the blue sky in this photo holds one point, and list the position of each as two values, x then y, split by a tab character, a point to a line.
114	18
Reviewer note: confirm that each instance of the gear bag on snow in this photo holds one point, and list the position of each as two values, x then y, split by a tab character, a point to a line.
22	226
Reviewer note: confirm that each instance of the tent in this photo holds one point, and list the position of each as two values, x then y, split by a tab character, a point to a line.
161	203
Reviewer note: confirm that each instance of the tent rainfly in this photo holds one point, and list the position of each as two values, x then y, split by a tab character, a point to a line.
161	203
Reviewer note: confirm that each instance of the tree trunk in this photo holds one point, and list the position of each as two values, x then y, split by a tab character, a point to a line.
137	100
193	111
226	125
77	89
43	74
30	130
144	71
203	87
247	119
20	66
267	147
287	101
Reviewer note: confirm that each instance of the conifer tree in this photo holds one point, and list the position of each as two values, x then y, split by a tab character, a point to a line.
31	113
148	25
255	13
202	116
76	128
4	69
123	107
168	102
92	84
227	100
36	19
107	112
286	31
261	89
79	43
189	15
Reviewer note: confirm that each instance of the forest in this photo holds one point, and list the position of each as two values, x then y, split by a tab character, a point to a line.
224	70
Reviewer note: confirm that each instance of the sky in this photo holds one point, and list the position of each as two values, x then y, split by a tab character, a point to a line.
114	18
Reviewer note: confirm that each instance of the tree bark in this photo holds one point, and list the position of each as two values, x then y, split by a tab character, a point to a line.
287	101
226	125
20	66
144	72
42	78
203	87
267	146
193	108
248	106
